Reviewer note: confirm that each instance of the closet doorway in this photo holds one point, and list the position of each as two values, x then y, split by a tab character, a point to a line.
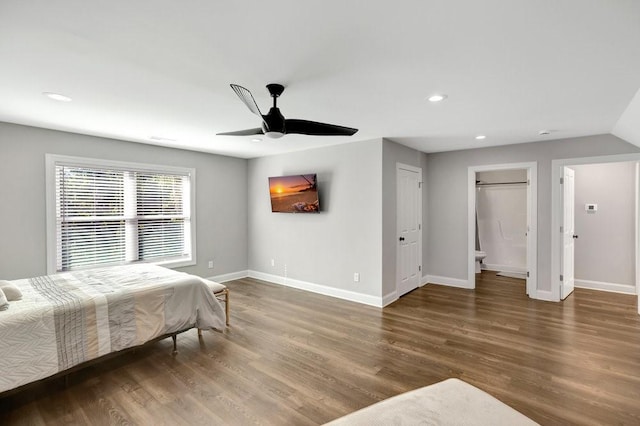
502	221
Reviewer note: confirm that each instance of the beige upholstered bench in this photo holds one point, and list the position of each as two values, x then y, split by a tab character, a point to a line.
451	402
221	292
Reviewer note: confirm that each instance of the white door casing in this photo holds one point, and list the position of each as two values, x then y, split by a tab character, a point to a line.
568	232
409	228
532	221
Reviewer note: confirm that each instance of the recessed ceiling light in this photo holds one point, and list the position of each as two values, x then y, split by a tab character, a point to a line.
481	137
256	140
57	96
437	98
161	139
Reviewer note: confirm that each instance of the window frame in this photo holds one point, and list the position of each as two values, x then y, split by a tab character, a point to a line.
52	160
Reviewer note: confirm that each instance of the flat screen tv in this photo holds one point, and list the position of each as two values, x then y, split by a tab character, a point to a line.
294	194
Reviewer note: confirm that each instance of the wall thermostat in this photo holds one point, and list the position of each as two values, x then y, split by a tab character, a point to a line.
591	207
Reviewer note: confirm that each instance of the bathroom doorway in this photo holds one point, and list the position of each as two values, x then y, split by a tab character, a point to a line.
503	221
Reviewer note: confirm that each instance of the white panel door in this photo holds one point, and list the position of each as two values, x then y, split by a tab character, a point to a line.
409	213
568	232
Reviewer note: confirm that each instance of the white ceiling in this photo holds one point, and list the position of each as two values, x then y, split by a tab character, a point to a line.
145	68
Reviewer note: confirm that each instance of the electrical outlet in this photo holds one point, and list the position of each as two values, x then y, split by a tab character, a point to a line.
211	264
356	277
273	262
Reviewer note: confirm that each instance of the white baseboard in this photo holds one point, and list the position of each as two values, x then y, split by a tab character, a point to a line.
424	280
451	282
229	277
389	298
546	295
274	279
599	285
320	289
503	268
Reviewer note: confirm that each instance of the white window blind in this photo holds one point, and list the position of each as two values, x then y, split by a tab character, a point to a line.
114	215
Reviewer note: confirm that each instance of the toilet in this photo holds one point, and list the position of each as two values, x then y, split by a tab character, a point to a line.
479	256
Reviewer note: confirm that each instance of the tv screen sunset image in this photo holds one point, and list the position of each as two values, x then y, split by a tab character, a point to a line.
294	194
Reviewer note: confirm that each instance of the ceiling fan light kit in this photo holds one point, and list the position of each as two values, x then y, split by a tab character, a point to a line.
274	135
274	125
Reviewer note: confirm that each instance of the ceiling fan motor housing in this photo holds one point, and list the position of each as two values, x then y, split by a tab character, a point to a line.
273	123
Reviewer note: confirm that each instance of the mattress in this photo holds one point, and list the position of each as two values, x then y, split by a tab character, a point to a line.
69	318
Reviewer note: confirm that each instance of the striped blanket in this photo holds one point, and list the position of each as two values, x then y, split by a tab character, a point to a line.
66	319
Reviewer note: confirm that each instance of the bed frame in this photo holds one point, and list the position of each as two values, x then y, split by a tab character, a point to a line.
222	296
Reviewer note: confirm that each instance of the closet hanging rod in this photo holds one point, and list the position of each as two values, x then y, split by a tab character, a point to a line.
500	183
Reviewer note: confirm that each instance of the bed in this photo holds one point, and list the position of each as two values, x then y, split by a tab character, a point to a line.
67	319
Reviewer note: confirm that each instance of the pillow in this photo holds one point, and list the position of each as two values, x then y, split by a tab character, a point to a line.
3	301
11	291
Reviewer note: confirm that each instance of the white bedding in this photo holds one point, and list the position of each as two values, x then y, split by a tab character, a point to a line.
69	318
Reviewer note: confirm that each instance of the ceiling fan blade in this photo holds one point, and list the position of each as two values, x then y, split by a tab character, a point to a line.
246	97
247	132
305	127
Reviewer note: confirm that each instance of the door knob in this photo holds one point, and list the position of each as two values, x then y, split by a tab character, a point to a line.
401	238
575	236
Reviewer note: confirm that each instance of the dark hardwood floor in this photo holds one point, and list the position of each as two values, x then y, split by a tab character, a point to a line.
291	357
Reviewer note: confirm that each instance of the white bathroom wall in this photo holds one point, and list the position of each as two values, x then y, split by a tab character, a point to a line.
502	220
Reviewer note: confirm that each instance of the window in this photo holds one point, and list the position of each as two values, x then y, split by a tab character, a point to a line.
108	213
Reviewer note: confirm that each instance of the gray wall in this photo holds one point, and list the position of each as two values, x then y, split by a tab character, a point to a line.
497	176
447	187
605	250
221	197
326	248
354	233
393	153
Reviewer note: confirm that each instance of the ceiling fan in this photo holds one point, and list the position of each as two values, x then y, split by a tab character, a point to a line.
274	125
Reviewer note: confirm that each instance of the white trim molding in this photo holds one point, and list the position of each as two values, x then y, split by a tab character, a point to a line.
223	278
503	268
52	161
532	221
263	276
389	298
351	296
611	287
451	282
546	295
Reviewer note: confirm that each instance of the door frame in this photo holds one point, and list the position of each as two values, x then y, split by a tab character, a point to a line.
564	283
532	219
556	215
420	221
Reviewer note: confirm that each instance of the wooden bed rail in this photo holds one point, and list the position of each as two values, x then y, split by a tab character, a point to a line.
222	296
